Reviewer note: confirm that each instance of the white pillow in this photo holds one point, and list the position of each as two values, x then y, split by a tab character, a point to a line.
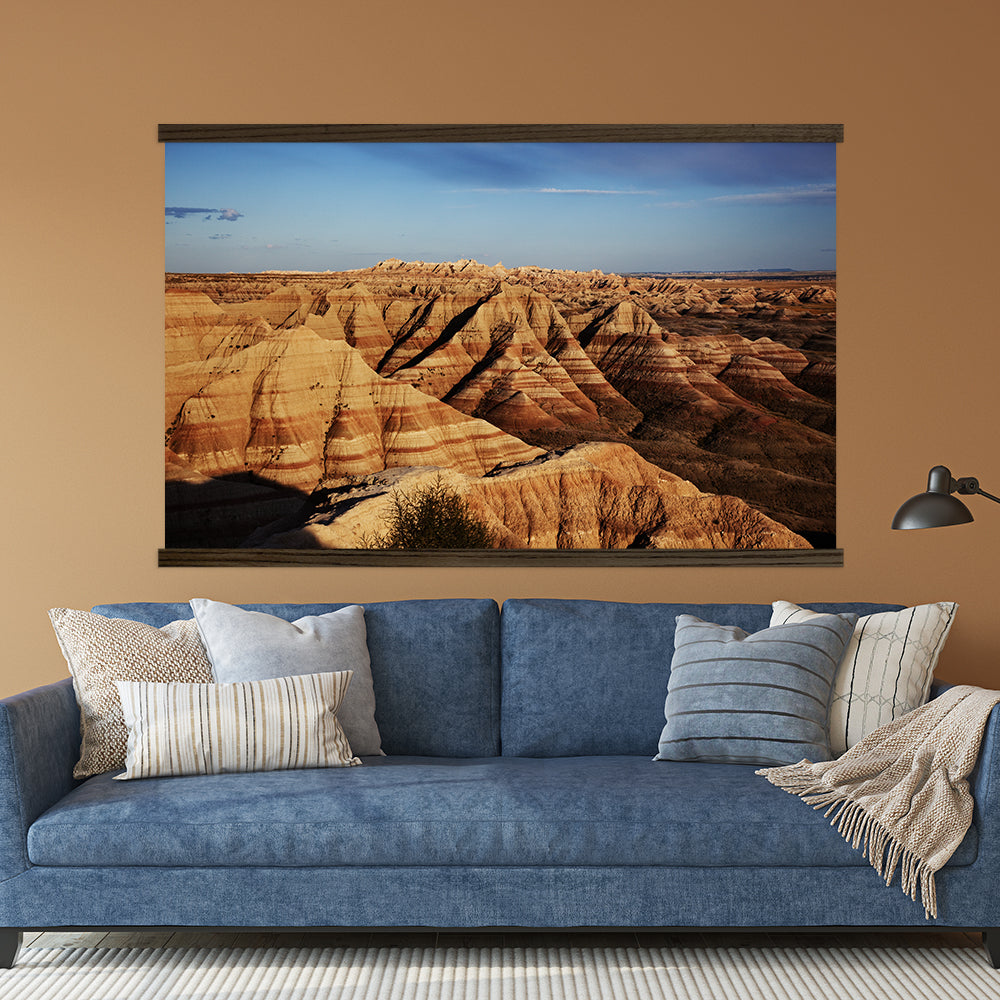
272	725
886	670
251	645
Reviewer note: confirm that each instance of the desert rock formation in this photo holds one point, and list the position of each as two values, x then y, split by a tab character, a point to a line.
293	407
571	410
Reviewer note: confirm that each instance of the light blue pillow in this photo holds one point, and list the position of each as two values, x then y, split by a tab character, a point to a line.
252	646
735	698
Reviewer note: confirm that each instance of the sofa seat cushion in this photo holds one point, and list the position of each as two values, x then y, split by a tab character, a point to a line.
419	811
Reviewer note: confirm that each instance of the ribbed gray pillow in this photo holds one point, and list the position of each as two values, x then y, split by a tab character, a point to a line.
735	698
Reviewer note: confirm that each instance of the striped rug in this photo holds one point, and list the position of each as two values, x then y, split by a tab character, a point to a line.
446	973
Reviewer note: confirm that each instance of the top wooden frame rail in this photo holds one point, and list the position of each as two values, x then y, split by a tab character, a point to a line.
501	133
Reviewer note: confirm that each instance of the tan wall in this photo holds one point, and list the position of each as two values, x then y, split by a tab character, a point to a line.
81	260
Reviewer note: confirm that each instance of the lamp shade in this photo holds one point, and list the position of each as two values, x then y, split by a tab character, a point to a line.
931	510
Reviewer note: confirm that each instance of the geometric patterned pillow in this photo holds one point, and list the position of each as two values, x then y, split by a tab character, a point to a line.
269	725
102	650
886	670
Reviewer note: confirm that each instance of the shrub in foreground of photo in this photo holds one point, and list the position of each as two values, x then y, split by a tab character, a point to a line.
431	517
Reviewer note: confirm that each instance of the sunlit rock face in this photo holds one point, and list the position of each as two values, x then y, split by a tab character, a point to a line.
592	496
571	409
294	408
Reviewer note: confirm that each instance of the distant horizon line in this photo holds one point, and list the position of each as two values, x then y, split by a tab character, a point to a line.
687	272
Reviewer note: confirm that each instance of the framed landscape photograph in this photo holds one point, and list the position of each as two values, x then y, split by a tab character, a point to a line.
486	344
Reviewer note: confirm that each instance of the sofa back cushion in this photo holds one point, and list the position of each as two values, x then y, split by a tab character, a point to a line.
435	668
586	678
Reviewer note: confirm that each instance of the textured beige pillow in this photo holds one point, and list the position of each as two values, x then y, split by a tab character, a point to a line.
276	724
102	650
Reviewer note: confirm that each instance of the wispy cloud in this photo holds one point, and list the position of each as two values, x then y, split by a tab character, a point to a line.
592	191
176	212
777	196
781	196
224	214
553	190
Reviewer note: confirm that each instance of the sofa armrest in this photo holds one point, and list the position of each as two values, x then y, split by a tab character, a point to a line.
985	785
39	744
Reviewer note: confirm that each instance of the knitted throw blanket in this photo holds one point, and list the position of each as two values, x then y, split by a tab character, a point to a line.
901	794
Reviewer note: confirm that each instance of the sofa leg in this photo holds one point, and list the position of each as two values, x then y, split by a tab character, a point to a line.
10	946
991	940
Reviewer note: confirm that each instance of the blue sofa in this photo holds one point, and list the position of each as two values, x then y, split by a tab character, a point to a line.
518	791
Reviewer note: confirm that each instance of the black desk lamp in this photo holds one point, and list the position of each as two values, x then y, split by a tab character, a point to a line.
937	507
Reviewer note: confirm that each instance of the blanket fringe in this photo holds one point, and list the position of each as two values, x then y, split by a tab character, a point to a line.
863	832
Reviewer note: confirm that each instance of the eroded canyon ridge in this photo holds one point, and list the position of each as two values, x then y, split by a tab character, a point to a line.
574	410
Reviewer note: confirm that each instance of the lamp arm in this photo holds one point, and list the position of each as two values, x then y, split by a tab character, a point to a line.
969	485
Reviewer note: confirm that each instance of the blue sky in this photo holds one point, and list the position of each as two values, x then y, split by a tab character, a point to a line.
618	207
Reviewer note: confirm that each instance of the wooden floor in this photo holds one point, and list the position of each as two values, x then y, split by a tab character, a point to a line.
454	939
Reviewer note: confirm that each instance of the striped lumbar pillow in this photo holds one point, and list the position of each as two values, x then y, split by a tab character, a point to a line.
734	698
886	670
269	725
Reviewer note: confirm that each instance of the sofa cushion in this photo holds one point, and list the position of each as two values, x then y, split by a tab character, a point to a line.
762	698
435	668
99	651
886	670
275	724
250	646
432	811
590	677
